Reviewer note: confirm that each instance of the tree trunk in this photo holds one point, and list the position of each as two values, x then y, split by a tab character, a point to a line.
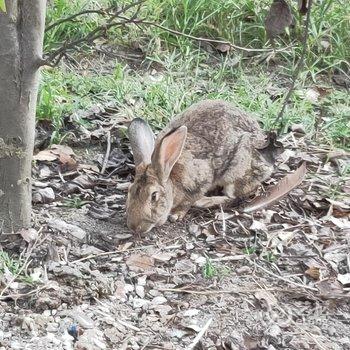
21	40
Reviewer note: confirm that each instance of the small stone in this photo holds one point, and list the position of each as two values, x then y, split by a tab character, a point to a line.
15	345
154	292
99	344
46	313
52	327
159	300
332	331
190	312
138	303
140	291
274	331
64	227
141	281
244	270
83	320
194	229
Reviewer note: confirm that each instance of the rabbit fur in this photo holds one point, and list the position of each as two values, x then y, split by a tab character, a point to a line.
210	145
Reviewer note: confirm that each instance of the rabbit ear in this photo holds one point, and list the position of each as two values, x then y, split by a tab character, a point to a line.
141	140
169	151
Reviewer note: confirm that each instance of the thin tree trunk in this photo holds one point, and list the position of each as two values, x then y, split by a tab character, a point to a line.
21	39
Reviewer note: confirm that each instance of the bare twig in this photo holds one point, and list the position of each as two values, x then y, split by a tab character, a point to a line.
278	121
200	334
108	151
286	279
22	295
208	40
73	17
213	291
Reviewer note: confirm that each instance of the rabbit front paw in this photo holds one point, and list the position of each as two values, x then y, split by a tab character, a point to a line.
177	215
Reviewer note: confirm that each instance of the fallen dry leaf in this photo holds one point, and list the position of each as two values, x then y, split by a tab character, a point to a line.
329	287
267	297
140	263
45	155
283	187
29	235
313	272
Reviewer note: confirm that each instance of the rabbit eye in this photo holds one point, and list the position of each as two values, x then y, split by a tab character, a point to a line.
154	196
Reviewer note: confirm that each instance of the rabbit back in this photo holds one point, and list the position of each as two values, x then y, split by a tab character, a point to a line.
221	150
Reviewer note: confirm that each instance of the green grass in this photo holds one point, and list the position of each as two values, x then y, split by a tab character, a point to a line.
191	74
210	270
11	267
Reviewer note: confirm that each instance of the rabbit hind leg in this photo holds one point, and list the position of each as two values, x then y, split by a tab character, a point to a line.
209	202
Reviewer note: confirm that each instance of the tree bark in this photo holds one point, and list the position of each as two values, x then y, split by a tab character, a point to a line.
21	40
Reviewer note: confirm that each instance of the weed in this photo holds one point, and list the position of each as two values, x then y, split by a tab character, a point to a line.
249	250
11	267
75	202
211	271
270	257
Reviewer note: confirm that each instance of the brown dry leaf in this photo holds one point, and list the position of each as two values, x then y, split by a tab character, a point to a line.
329	287
29	235
45	155
140	263
278	18
59	149
268	297
313	272
163	256
63	153
283	187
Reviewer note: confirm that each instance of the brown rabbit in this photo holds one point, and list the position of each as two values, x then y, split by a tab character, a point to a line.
210	145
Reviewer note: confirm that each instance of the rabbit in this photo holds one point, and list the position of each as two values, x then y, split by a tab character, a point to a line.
210	145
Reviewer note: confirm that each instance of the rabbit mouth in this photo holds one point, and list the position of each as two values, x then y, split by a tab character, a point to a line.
143	227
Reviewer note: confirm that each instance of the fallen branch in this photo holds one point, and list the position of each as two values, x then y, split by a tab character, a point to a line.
278	121
108	151
200	334
73	17
214	41
286	279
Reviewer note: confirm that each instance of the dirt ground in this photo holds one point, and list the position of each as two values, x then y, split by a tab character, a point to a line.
274	279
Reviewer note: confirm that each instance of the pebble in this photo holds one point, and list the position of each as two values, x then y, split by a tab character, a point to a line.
140	291
138	303
83	320
274	331
332	331
52	327
159	300
243	270
15	345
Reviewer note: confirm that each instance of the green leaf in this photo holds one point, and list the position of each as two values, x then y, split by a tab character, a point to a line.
2	6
